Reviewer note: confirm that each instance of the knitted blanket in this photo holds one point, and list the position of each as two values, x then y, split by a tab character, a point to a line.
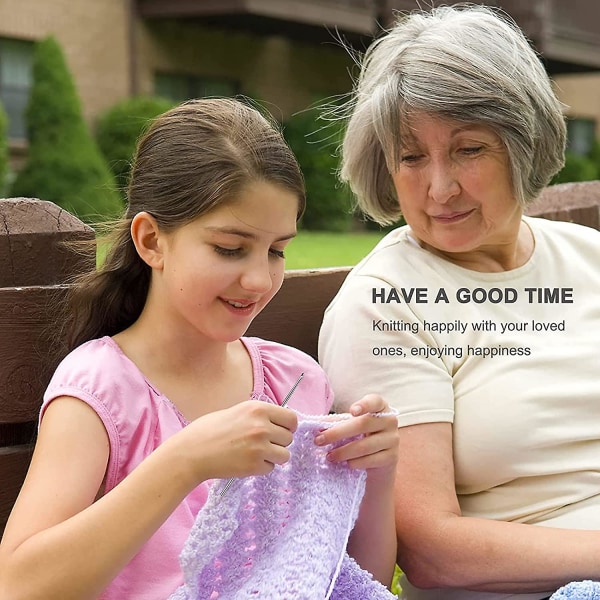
281	536
578	590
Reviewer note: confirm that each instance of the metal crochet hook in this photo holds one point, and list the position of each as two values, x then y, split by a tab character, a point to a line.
285	401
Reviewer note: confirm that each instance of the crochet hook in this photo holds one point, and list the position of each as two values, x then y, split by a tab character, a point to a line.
283	403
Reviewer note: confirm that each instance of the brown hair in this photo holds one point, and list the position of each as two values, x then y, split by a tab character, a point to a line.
192	159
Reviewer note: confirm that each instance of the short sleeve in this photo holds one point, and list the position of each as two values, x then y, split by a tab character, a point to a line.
136	417
366	346
281	366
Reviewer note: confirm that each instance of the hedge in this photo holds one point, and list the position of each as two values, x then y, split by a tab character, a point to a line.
64	163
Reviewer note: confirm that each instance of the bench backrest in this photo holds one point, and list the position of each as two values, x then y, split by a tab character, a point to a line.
34	269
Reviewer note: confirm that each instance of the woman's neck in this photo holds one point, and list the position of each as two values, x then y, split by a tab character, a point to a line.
495	258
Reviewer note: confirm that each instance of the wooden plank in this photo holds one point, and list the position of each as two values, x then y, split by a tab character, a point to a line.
14	463
294	316
28	334
577	202
32	243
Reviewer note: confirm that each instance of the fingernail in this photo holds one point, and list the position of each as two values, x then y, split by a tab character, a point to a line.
356	410
320	440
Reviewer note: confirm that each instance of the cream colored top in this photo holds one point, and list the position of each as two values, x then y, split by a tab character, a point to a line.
516	371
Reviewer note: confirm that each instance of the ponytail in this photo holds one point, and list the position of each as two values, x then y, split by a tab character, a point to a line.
110	299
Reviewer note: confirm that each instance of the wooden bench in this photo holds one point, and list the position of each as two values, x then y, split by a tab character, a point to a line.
35	269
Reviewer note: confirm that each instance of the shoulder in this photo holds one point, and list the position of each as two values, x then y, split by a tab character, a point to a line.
279	367
562	231
99	374
396	245
568	244
95	366
396	261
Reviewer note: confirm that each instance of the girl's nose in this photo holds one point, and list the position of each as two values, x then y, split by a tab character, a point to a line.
257	277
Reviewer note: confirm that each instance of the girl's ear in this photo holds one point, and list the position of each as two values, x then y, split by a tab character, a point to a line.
146	238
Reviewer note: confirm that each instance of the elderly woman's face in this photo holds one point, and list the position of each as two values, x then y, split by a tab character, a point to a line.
454	186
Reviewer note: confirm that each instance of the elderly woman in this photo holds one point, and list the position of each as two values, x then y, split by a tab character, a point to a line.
478	324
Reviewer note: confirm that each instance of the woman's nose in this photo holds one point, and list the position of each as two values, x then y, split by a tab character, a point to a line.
443	183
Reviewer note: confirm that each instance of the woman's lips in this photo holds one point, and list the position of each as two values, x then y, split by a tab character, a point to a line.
453	217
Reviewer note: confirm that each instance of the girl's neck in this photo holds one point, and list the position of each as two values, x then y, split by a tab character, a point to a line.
196	377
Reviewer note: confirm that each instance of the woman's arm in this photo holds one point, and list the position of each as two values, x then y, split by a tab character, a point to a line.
59	543
437	547
372	542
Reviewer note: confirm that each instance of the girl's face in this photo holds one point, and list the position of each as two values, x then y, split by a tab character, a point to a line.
221	270
455	187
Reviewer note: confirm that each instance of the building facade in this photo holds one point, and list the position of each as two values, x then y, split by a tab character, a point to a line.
287	53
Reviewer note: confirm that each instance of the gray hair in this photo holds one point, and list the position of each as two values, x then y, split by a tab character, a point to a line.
466	63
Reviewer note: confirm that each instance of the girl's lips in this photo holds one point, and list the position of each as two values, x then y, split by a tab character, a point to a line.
453	217
239	307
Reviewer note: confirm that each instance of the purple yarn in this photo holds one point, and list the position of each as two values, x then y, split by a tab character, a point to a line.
282	535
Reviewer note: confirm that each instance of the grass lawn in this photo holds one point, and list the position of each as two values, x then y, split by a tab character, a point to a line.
311	249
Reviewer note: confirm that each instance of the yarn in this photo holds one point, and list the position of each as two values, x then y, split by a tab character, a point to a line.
282	535
578	590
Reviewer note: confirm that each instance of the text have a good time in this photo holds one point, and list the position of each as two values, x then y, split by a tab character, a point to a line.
509	295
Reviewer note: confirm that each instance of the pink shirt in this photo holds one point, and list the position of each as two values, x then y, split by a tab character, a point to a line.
138	418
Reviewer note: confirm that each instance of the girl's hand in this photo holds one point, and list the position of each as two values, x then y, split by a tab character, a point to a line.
249	438
377	447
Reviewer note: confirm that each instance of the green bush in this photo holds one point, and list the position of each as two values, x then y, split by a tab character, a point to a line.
64	163
119	128
577	168
595	157
329	204
3	149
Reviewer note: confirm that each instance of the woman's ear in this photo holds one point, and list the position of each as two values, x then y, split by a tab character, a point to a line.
146	238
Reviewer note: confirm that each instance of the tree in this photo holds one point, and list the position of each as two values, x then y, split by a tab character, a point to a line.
64	163
328	203
119	128
3	149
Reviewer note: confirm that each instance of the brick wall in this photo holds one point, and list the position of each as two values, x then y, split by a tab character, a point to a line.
94	38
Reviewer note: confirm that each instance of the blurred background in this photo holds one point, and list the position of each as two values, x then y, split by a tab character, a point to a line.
79	80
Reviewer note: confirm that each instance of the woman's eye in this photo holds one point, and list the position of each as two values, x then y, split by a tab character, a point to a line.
277	253
228	251
471	150
410	158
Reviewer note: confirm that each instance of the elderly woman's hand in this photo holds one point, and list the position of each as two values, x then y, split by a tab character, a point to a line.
373	434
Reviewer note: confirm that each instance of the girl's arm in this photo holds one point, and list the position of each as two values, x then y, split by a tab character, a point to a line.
373	541
59	543
438	547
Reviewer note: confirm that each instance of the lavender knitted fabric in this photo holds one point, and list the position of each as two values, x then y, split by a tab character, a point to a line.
578	590
283	535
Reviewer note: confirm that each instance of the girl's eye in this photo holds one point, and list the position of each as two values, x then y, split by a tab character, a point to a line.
227	251
237	252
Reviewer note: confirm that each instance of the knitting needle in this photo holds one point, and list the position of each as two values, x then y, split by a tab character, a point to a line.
285	401
289	394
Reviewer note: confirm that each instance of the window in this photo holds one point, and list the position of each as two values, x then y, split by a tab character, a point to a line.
180	87
16	58
581	134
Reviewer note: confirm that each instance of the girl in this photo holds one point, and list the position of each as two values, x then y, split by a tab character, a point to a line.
153	402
